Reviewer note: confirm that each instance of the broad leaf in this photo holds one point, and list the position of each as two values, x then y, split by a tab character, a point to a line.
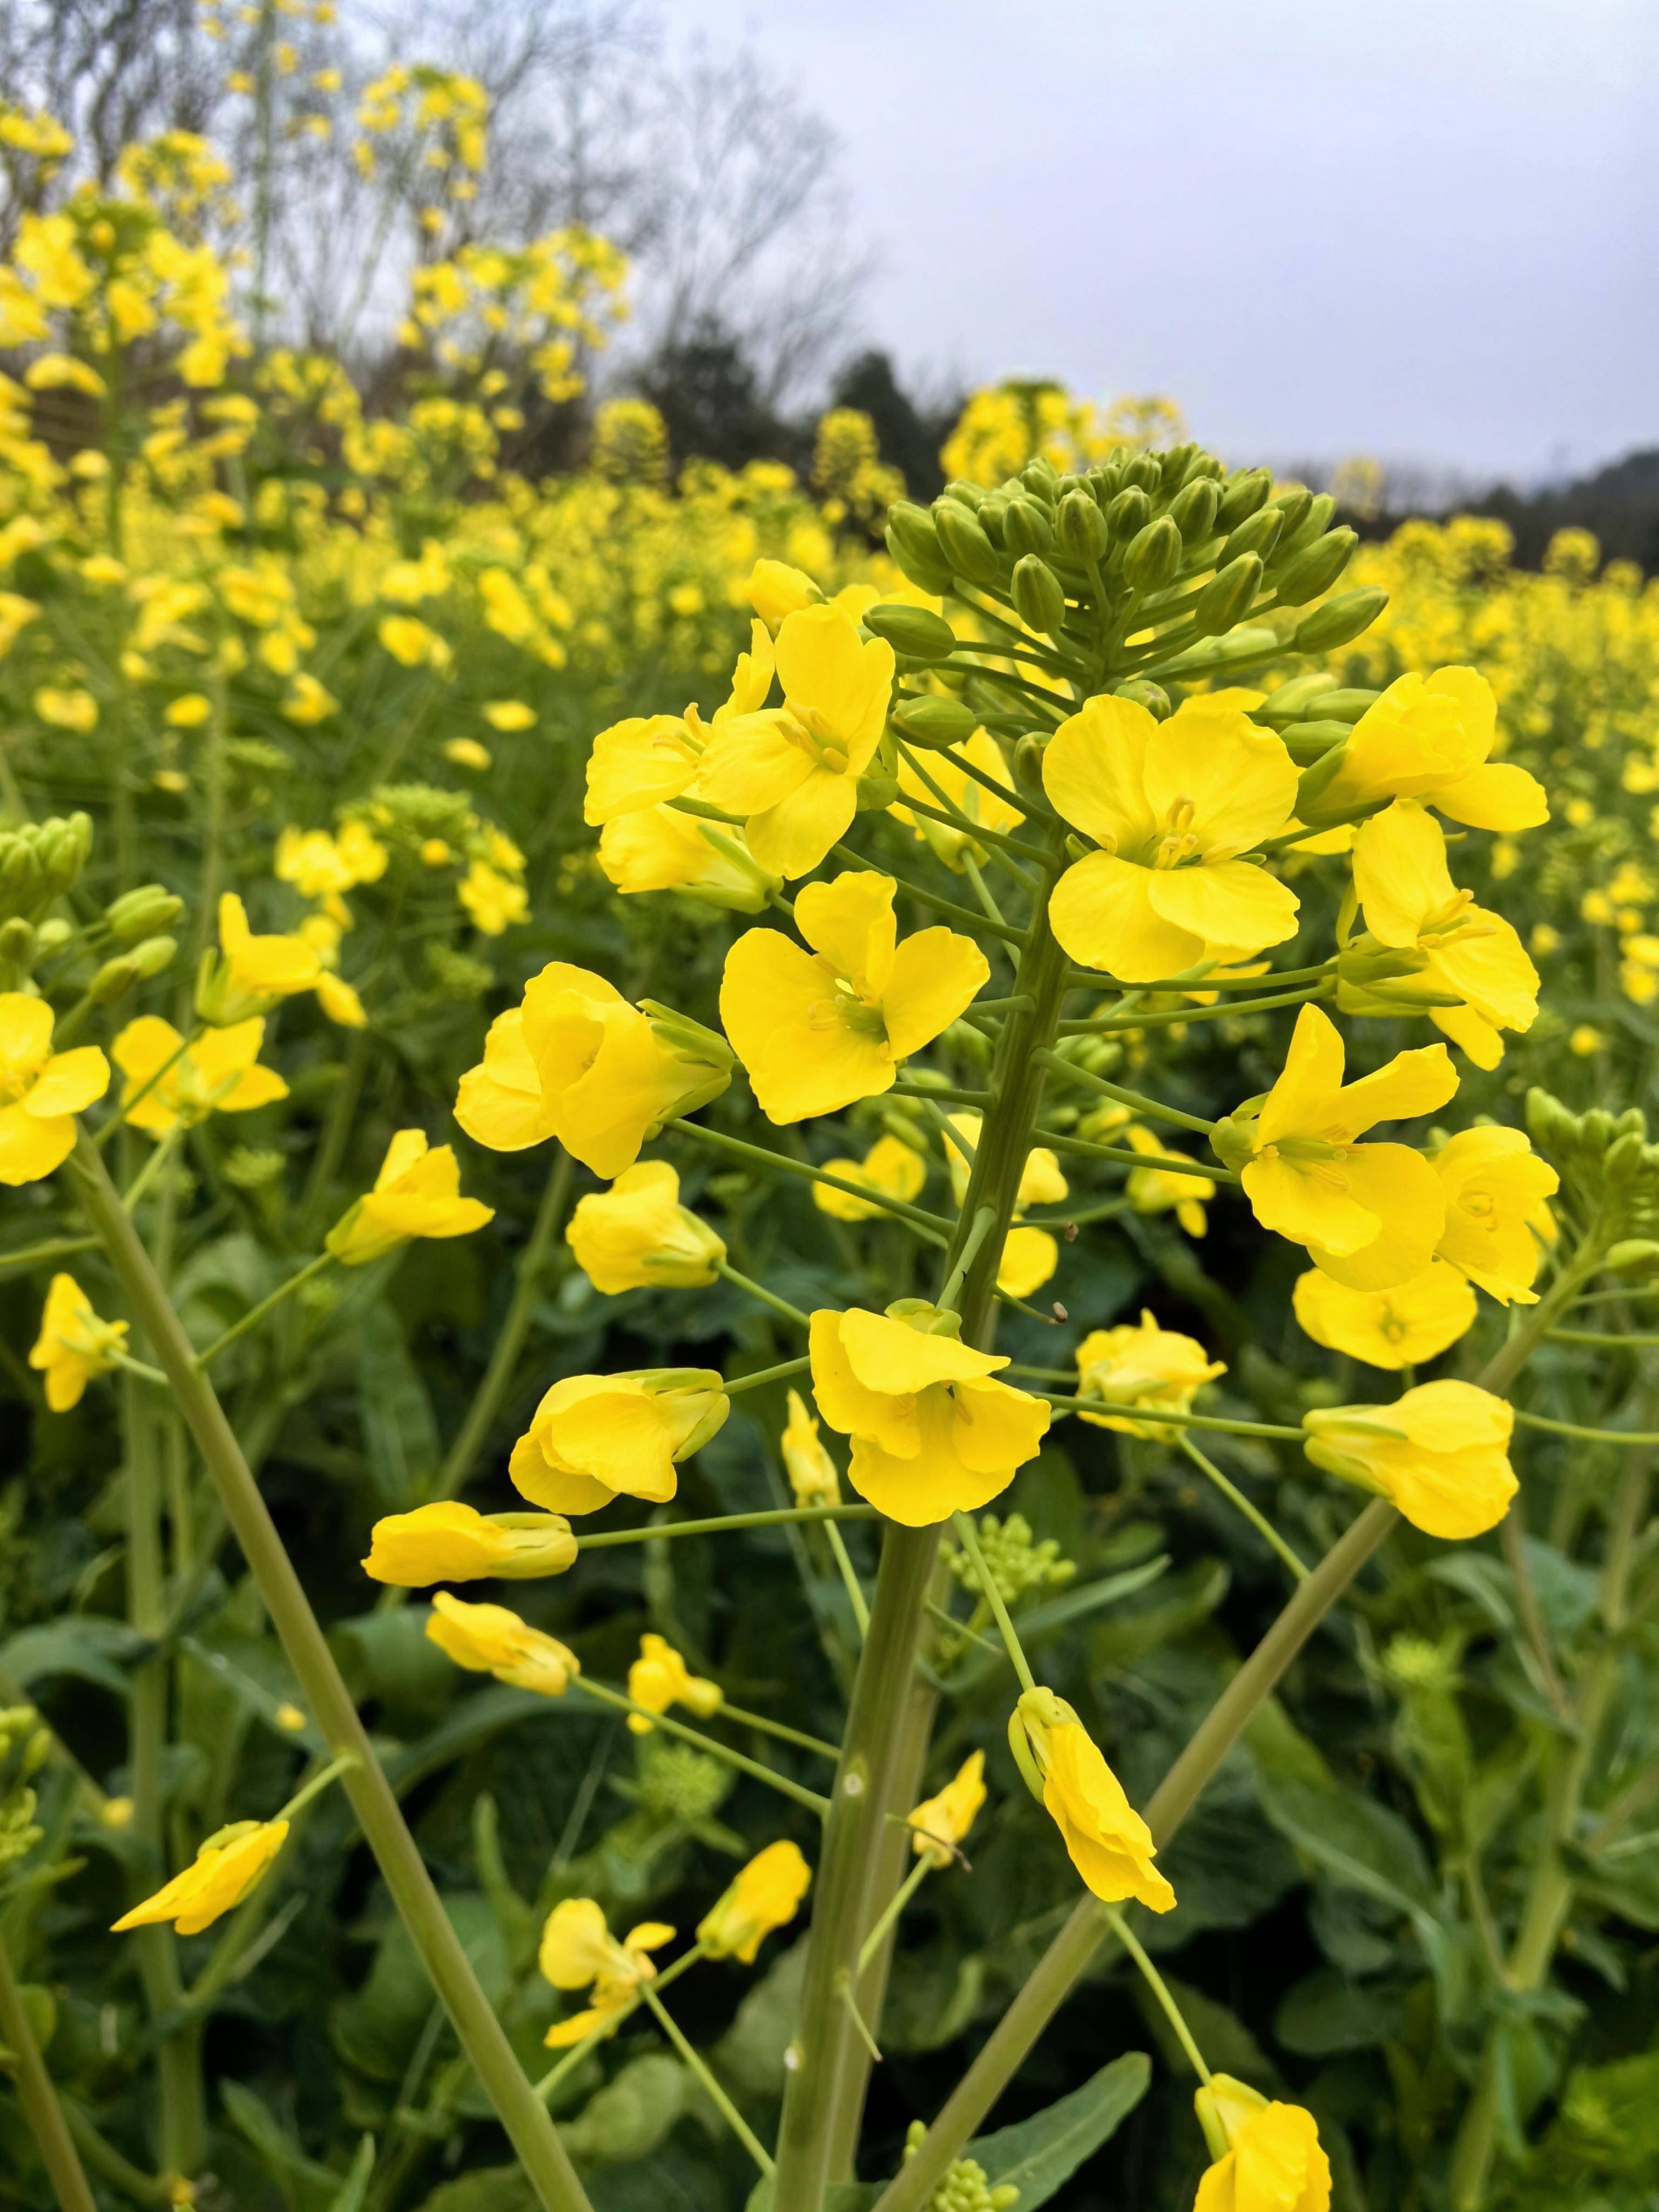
1039	2155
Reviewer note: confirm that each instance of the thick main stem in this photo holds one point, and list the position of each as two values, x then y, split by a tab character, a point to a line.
883	1746
525	2120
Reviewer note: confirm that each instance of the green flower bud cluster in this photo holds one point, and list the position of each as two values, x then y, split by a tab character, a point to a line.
23	1747
678	1783
1609	1166
39	861
1017	1562
1169	543
964	2188
407	816
246	1169
457	975
1313	712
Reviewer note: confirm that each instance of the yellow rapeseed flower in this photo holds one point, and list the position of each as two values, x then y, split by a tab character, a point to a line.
490	1639
1145	1366
793	772
495	902
1403	1327
660	1678
1267	2157
1498	1192
932	1433
1106	1839
1371	1215
658	849
1029	1255
576	1062
816	1030
648	760
1429	738
1172	807
448	1542
1153	1189
74	1344
579	1951
776	590
890	1166
416	1193
765	1896
637	1236
41	1090
940	1824
251	973
218	1073
595	1438
966	792
812	1471
227	1867
1440	1455
508	714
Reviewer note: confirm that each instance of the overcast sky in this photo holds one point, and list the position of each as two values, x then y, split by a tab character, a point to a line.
1423	230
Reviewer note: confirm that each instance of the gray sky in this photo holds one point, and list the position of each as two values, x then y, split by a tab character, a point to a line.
1423	230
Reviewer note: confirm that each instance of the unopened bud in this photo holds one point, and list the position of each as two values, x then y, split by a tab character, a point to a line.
1303	696
876	791
1257	533
1040	476
153	955
54	933
1631	1252
1317	569
1292	506
965	546
1027	758
1340	620
1307	742
1152	696
1153	556
141	913
1228	597
1242	495
914	543
916	632
1038	599
1145	470
1026	528
114	980
1319	514
1083	532
1193	510
1129	510
17	942
935	721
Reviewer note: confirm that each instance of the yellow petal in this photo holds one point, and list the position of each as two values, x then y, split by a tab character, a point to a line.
70	1082
1093	770
935	975
889	1356
1498	796
792	837
850	922
1400	871
1234	907
1238	779
1102	911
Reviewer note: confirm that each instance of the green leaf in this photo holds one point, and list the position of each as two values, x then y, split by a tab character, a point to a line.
85	1645
1189	1597
748	2056
355	2188
401	1432
1041	2154
375	2028
1325	2012
486	2189
629	2118
303	2181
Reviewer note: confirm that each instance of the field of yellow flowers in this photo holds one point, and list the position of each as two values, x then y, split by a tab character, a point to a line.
759	1072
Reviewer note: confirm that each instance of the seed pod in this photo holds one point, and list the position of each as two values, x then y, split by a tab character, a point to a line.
1317	569
1152	696
1257	533
965	546
914	543
1153	556
1130	510
935	721
1193	510
1243	495
1027	528
1228	596
1083	532
1340	620
1038	595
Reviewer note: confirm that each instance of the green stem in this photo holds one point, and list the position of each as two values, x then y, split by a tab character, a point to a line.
1647	1436
109	2165
744	1718
889	1919
1166	1163
1066	1957
854	1587
1159	1988
36	1256
1258	1520
708	1744
38	2099
1152	1109
785	1368
546	2165
152	1167
497	1377
1173	1416
255	1315
727	2110
767	1298
931	1226
968	1536
772	1517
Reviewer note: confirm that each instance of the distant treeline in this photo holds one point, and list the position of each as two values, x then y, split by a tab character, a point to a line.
1620	504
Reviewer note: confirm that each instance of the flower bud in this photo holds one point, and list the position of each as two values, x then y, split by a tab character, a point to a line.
54	933
1302	695
1153	556
1174	465
1631	1253
1193	510
1152	696
877	790
916	632
1026	528
1317	569
966	494
992	514
17	942
144	912
1257	533
1083	532
1243	492
965	546
1038	599
1145	471
1347	704
1291	507
1315	521
114	980
154	956
1307	742
1128	511
1040	476
913	541
1340	620
1027	758
1228	596
936	720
